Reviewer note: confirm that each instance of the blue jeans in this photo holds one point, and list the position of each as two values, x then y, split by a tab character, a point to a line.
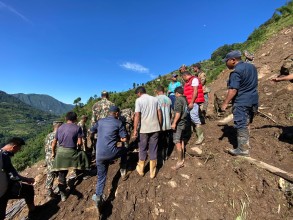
173	98
102	162
243	115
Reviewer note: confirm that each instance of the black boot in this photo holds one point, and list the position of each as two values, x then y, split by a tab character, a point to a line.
242	143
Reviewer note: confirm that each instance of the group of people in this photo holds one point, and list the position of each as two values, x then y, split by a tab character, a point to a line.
155	120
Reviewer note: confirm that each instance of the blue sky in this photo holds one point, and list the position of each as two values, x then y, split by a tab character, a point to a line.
77	48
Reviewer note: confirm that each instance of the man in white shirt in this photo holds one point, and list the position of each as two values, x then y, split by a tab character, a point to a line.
149	116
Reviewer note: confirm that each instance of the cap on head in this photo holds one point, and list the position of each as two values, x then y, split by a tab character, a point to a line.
231	55
114	109
174	75
57	122
104	93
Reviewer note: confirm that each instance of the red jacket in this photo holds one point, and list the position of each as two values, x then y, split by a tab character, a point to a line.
188	91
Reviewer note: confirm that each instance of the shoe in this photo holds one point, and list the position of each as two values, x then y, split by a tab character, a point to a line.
63	196
99	200
123	173
238	152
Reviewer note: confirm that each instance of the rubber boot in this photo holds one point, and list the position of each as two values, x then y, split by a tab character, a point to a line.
153	169
140	167
242	143
99	201
199	133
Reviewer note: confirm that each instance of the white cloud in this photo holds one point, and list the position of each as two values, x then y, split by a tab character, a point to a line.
135	67
11	9
153	76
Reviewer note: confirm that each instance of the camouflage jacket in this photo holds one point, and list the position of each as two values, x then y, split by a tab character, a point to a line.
100	109
48	145
127	117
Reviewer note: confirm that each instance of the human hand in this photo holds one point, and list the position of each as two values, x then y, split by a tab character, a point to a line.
224	107
190	106
134	134
173	126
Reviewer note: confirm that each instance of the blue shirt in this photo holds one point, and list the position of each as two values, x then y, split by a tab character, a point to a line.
244	79
109	130
172	86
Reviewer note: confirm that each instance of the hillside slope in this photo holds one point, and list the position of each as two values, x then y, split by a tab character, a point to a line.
45	103
212	186
20	119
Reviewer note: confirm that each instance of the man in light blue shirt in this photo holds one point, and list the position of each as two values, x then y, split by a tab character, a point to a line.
171	88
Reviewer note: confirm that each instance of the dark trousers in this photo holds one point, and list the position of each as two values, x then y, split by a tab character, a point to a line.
24	191
148	141
243	115
103	162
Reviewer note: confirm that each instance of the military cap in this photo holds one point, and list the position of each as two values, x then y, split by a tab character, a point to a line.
232	54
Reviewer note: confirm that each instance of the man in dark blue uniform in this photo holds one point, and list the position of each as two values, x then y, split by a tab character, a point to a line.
110	131
242	91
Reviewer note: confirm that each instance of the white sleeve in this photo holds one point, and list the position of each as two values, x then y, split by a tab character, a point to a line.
137	106
195	82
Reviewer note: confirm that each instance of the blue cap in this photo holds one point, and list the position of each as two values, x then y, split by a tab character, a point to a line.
232	54
114	109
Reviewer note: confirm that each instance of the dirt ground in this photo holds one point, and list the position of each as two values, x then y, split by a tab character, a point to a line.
214	185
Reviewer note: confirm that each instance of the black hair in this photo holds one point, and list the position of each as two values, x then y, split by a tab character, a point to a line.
197	65
71	116
179	90
140	89
160	88
16	141
186	73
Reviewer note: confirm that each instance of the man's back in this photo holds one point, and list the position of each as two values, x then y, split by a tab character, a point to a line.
244	79
110	130
148	106
101	108
165	106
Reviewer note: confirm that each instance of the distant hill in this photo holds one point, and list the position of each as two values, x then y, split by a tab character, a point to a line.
20	119
45	103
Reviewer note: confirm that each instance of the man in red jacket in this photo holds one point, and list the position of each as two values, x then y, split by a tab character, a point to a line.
194	94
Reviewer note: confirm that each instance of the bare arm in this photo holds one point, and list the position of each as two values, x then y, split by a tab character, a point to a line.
283	78
176	118
231	94
194	96
135	123
54	143
160	118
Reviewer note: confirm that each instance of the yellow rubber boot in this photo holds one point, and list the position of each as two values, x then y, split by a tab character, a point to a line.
153	165
140	167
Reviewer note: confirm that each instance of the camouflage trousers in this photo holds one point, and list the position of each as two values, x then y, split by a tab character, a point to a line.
50	174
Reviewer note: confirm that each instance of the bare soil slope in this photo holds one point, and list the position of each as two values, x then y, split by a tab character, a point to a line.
214	185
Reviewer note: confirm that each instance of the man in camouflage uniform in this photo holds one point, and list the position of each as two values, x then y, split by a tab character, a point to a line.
127	116
100	110
82	124
49	159
206	90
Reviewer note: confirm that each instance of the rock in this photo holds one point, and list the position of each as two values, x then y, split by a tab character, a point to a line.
197	150
172	183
